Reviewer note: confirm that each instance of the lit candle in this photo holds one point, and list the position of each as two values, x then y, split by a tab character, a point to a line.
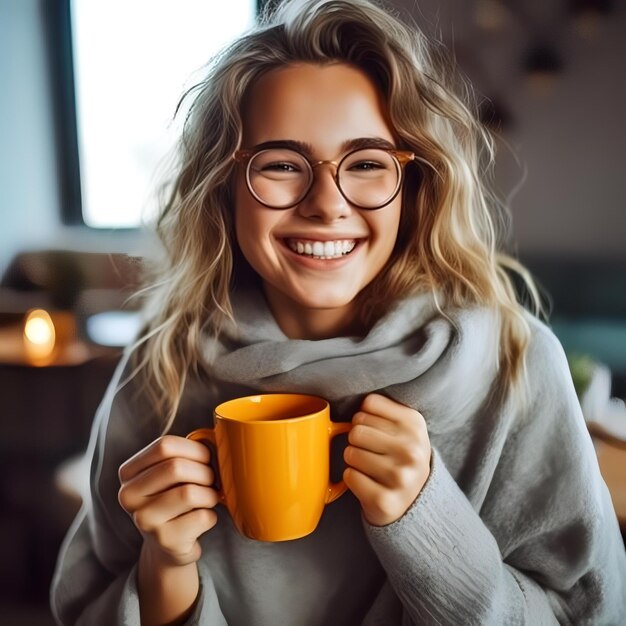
39	337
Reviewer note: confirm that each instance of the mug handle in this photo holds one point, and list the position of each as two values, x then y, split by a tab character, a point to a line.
337	489
207	435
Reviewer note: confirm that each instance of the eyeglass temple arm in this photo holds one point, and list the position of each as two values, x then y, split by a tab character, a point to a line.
241	156
404	156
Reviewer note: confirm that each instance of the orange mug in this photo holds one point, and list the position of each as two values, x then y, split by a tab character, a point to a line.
273	456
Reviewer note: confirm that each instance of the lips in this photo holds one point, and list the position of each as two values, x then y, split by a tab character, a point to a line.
318	249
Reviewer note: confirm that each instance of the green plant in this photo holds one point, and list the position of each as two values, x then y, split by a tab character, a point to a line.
581	367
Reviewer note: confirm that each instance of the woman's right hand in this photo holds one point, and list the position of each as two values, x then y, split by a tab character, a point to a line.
166	489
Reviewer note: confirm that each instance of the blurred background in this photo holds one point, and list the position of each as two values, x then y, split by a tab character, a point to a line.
87	95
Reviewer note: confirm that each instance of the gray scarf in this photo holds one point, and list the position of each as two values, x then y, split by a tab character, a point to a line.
441	365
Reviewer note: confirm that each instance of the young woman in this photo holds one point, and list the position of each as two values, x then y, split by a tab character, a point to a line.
329	231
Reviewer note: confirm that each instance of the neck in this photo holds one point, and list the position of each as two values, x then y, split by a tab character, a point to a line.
301	322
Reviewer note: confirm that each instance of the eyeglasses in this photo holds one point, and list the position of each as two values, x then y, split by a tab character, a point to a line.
280	178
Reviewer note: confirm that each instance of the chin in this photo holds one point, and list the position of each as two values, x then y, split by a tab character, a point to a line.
324	302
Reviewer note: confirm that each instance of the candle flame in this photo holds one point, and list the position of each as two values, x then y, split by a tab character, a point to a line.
39	337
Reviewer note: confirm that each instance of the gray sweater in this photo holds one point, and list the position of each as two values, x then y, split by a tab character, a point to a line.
514	525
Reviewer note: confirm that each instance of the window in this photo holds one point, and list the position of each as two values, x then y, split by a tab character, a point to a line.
130	63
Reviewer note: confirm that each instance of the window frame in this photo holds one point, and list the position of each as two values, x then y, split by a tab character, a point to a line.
58	30
57	21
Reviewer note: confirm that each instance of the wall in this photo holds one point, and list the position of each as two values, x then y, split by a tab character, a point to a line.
29	194
568	137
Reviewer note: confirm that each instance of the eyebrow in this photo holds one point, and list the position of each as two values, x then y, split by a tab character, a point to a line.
307	149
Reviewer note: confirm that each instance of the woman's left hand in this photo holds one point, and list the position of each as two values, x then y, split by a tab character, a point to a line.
388	458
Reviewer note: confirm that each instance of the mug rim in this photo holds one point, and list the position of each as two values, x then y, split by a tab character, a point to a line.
324	405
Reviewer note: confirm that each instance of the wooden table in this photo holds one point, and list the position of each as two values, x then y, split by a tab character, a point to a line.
46	414
612	460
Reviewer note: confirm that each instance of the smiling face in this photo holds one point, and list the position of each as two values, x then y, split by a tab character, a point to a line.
315	258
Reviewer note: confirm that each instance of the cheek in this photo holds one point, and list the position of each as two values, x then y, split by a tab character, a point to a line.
387	227
254	225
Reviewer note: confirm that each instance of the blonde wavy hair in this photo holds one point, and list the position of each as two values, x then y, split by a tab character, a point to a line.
452	228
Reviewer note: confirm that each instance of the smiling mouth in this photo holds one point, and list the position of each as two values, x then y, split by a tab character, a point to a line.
321	249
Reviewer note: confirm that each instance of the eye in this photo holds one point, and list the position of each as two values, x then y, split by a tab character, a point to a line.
365	166
369	163
279	166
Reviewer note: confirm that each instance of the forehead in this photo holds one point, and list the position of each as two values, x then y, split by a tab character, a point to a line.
323	105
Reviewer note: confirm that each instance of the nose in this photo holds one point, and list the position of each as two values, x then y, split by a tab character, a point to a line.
324	202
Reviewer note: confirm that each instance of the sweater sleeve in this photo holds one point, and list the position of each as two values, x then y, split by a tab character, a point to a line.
542	546
84	593
95	582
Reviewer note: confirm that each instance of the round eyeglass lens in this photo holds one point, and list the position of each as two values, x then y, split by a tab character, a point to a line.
279	177
369	178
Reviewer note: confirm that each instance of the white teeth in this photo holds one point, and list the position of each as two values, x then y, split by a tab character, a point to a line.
322	249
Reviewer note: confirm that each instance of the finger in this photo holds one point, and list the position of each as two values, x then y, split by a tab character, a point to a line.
381	424
180	535
380	506
161	477
362	435
173	503
362	485
366	489
382	406
163	448
381	468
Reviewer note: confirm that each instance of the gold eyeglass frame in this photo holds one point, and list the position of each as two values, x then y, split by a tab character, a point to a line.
401	158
